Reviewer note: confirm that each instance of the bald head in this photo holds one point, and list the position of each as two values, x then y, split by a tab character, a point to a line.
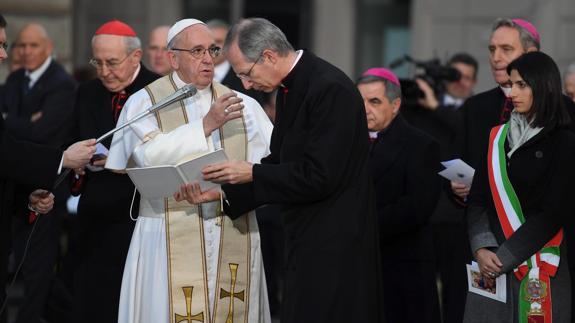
156	51
34	46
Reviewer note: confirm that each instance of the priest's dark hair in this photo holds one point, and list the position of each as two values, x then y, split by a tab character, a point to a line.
542	75
254	35
392	91
2	21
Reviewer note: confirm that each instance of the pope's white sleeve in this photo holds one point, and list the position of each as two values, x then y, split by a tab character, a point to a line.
170	148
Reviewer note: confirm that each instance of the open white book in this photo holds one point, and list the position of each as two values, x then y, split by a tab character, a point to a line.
164	181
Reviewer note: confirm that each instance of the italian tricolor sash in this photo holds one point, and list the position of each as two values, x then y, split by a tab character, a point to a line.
535	272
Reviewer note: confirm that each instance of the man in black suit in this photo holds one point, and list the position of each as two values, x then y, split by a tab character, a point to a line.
439	116
37	105
404	163
105	227
510	38
19	161
317	172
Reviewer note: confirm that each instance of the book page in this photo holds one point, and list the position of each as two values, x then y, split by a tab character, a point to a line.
191	170
156	181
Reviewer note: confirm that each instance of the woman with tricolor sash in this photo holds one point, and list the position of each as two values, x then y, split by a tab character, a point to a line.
520	200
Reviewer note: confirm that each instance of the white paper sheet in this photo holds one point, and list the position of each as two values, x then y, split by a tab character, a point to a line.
458	171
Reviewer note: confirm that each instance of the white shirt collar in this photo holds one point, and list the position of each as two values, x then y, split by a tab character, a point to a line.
299	54
506	90
220	71
450	100
35	75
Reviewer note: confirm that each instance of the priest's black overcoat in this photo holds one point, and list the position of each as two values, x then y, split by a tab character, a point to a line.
318	172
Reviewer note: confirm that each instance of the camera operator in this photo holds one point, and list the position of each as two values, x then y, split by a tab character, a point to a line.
456	91
436	112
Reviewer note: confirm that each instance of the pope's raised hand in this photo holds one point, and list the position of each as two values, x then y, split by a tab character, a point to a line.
226	107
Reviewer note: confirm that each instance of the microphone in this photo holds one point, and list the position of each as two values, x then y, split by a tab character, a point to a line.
184	92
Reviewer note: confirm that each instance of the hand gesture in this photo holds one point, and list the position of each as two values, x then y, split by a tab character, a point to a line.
36	116
429	101
79	154
460	190
489	263
226	107
41	201
194	195
231	172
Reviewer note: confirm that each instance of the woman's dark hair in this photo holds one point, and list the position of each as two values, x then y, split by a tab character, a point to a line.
540	72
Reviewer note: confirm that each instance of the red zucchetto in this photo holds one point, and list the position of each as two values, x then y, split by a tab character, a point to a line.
116	27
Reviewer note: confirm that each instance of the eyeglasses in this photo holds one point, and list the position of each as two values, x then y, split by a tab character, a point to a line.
199	52
246	76
112	64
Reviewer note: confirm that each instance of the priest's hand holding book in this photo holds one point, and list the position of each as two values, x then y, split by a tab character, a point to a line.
230	172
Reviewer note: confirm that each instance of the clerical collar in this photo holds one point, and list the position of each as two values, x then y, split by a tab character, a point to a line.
506	90
135	74
130	88
299	54
220	71
36	74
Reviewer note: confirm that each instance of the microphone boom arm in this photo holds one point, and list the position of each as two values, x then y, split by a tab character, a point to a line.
186	91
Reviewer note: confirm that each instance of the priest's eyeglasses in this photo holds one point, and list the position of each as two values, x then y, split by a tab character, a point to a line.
199	52
246	76
112	64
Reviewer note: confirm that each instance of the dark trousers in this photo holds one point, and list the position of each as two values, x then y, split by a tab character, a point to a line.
4	252
410	292
37	272
271	235
100	250
452	252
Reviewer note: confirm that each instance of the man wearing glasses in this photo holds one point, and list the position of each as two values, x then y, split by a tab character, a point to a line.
317	171
104	224
188	261
37	103
34	165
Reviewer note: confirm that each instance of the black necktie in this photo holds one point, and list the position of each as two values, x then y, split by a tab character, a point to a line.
26	85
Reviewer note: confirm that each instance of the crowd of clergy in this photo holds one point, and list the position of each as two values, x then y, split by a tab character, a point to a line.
352	221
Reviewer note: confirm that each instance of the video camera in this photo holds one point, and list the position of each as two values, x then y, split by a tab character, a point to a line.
434	74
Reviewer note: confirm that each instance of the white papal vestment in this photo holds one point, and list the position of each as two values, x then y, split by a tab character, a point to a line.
144	295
